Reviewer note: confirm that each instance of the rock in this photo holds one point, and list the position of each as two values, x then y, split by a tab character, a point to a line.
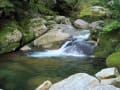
44	86
38	20
111	81
96	25
81	24
51	38
25	48
14	36
39	30
38	26
10	37
50	22
100	11
114	60
54	37
79	81
49	17
105	87
108	81
107	73
62	20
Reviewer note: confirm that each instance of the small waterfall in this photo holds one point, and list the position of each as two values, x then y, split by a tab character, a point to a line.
77	46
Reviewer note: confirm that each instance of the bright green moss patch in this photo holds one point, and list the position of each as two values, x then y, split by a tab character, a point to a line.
114	60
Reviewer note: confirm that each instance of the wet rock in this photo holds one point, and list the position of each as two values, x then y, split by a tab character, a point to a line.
79	81
44	86
107	73
81	24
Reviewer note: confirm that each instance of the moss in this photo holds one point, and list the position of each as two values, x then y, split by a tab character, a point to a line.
114	60
117	49
107	44
5	45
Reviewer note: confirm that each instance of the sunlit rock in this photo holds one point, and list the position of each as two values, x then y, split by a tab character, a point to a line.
81	24
79	81
44	86
107	73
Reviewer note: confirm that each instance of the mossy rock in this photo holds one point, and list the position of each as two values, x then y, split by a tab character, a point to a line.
114	60
107	44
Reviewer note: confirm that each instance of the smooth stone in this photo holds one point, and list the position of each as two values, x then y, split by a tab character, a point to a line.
79	81
81	24
25	48
44	86
107	73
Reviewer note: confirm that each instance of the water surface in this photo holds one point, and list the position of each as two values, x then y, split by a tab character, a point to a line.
18	72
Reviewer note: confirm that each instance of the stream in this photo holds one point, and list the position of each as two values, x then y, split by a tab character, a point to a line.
27	70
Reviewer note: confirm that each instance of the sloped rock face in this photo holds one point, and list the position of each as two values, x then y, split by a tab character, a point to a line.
80	81
51	38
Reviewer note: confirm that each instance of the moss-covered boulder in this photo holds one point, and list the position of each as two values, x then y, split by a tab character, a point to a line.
114	60
10	37
107	43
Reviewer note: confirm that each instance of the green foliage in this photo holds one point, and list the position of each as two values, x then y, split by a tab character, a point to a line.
114	60
114	25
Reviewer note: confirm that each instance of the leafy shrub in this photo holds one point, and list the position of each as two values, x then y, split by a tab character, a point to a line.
114	25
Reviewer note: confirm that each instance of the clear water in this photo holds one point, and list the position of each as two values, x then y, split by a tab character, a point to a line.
18	72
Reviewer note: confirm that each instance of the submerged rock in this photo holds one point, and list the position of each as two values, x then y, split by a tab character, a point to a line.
79	81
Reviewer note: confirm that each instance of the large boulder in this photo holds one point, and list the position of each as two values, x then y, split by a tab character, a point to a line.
38	26
100	11
55	36
51	38
79	81
10	37
107	73
81	24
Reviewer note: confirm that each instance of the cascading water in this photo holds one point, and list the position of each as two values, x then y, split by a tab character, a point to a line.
77	46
